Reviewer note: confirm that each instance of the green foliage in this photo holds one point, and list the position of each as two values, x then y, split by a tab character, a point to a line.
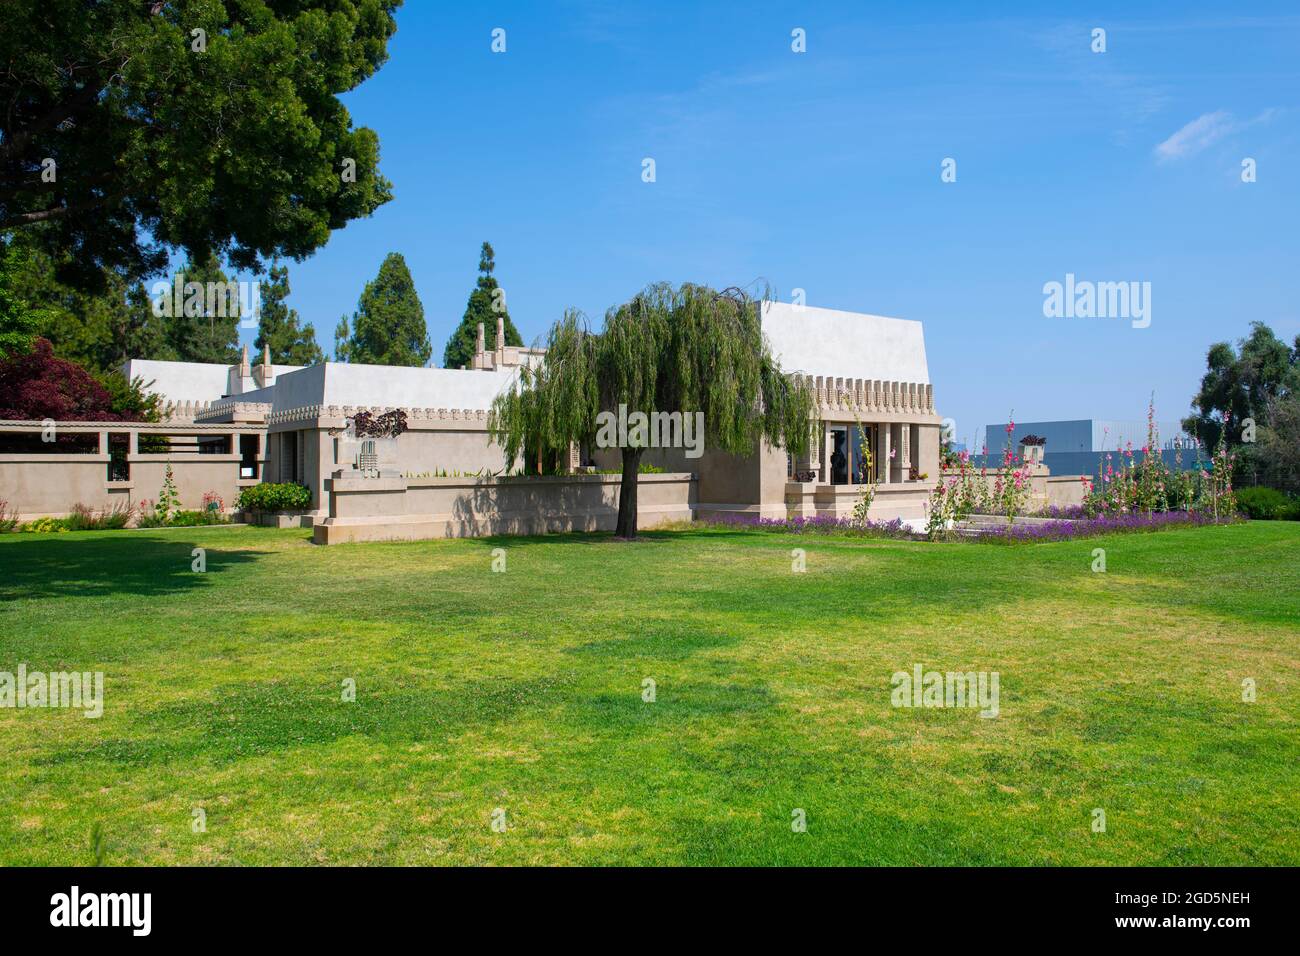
46	526
388	327
482	307
1278	451
20	321
689	349
235	145
195	519
8	517
342	339
278	327
131	399
272	496
84	518
1241	383
202	333
1267	504
641	469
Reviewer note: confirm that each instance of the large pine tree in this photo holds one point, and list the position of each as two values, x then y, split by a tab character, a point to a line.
485	304
278	329
388	327
201	333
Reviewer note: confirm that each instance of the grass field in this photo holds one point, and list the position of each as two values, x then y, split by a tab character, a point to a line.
523	691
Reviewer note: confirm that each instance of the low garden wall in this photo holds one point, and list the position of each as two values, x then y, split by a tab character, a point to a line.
1045	489
47	481
903	500
410	509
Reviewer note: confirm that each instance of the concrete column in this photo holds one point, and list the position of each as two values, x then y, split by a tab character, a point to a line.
896	471
882	453
828	448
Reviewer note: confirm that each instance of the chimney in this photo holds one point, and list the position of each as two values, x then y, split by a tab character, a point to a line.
480	347
263	373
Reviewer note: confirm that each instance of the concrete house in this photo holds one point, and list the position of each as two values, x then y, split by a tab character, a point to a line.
231	426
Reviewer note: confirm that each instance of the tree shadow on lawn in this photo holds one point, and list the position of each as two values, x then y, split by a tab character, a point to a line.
243	721
61	566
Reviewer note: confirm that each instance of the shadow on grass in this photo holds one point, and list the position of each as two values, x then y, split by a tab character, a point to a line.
251	720
118	563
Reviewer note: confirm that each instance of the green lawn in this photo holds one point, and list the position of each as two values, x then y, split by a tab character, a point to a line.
523	691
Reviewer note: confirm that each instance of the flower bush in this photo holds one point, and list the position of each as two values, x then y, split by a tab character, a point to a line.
1148	486
106	519
956	497
1064	530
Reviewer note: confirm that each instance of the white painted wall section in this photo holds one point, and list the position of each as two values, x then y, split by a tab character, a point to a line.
390	386
845	344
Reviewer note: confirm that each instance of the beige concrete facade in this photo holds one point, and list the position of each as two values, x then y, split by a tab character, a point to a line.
401	509
205	458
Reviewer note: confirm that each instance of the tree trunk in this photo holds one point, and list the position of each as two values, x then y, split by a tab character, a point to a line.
626	527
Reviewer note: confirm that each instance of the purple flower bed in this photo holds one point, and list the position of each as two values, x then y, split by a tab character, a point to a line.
1064	530
816	525
1071	512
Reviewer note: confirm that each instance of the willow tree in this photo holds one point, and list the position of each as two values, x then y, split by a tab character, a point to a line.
684	350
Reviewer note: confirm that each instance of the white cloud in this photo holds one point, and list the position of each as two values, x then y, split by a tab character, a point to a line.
1195	136
1203	131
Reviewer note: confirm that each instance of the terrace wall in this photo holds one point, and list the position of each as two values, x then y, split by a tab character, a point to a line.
411	509
38	483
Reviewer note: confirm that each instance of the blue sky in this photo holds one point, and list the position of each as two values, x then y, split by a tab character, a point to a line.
821	171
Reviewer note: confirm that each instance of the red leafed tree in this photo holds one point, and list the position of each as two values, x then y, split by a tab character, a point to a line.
37	386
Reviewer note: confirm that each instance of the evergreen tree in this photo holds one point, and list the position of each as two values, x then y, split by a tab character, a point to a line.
388	327
207	328
100	330
238	148
277	326
341	336
486	302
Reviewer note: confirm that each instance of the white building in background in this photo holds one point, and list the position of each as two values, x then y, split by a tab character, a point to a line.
877	424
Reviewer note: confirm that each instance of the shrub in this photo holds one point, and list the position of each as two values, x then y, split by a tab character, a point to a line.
106	519
46	525
269	496
191	519
8	517
1267	504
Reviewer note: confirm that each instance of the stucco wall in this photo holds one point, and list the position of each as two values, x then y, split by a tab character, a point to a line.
37	485
848	344
384	509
